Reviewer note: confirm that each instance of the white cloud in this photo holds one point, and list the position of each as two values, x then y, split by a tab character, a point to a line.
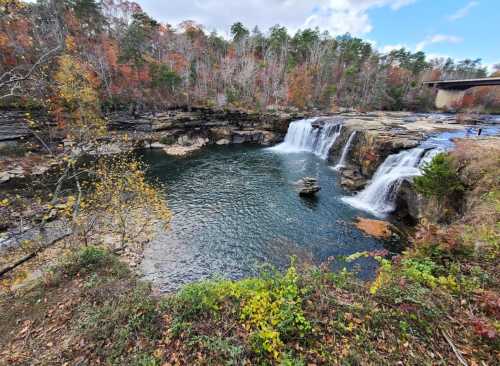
463	12
392	47
336	16
437	38
401	3
492	67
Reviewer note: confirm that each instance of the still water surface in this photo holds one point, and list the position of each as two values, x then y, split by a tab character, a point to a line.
236	207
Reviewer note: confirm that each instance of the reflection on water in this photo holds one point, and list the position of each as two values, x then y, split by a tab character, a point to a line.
236	207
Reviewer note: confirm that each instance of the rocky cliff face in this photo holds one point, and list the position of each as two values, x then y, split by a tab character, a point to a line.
378	135
186	128
178	132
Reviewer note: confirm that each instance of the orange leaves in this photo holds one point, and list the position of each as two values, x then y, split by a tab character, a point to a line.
131	80
4	40
177	61
300	86
448	239
110	48
15	39
398	75
143	74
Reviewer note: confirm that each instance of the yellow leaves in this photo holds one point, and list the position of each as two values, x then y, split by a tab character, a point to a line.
70	43
383	276
4	203
77	94
127	205
274	311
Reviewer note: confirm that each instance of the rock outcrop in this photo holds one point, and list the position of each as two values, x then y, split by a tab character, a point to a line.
186	147
380	134
308	187
377	228
180	131
352	179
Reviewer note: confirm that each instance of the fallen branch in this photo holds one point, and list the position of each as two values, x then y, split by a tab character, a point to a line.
455	349
30	256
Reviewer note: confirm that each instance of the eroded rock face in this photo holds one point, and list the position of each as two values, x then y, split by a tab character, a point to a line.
219	121
13	124
409	204
352	179
220	127
186	145
378	135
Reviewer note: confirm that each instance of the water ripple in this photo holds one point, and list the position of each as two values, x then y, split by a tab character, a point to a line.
237	207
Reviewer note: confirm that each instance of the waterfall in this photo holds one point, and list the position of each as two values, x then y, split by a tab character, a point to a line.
429	155
305	135
345	151
380	195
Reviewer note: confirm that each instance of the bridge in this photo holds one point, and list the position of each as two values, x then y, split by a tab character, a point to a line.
451	92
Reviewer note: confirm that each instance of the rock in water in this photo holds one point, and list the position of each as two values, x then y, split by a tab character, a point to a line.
377	228
309	187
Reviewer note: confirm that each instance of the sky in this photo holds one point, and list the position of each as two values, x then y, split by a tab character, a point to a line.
441	28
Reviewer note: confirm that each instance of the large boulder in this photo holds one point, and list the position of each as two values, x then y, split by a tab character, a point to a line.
308	187
379	229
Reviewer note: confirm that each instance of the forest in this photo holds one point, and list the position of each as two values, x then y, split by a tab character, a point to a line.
133	61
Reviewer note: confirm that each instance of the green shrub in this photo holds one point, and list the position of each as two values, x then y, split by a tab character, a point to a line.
91	256
270	307
164	78
88	259
439	179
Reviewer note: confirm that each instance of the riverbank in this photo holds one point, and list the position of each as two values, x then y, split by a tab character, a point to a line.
180	132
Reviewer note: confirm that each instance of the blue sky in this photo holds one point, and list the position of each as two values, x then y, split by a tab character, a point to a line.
456	28
459	28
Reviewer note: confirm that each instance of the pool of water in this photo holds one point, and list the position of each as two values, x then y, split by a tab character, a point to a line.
236	207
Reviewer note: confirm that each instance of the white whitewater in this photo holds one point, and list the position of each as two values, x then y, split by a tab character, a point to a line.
380	195
345	151
302	136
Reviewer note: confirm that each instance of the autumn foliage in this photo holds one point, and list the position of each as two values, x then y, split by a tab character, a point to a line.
135	60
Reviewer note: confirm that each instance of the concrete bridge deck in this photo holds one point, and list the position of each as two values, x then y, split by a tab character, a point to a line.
462	84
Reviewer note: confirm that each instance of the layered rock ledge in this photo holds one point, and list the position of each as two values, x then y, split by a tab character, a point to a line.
379	135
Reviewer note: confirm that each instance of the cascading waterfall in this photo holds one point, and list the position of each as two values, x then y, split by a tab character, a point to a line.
304	136
429	155
380	195
345	152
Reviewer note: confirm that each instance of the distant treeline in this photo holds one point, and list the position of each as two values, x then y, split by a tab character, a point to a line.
132	58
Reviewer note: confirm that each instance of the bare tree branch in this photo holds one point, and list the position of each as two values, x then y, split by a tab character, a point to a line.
14	78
